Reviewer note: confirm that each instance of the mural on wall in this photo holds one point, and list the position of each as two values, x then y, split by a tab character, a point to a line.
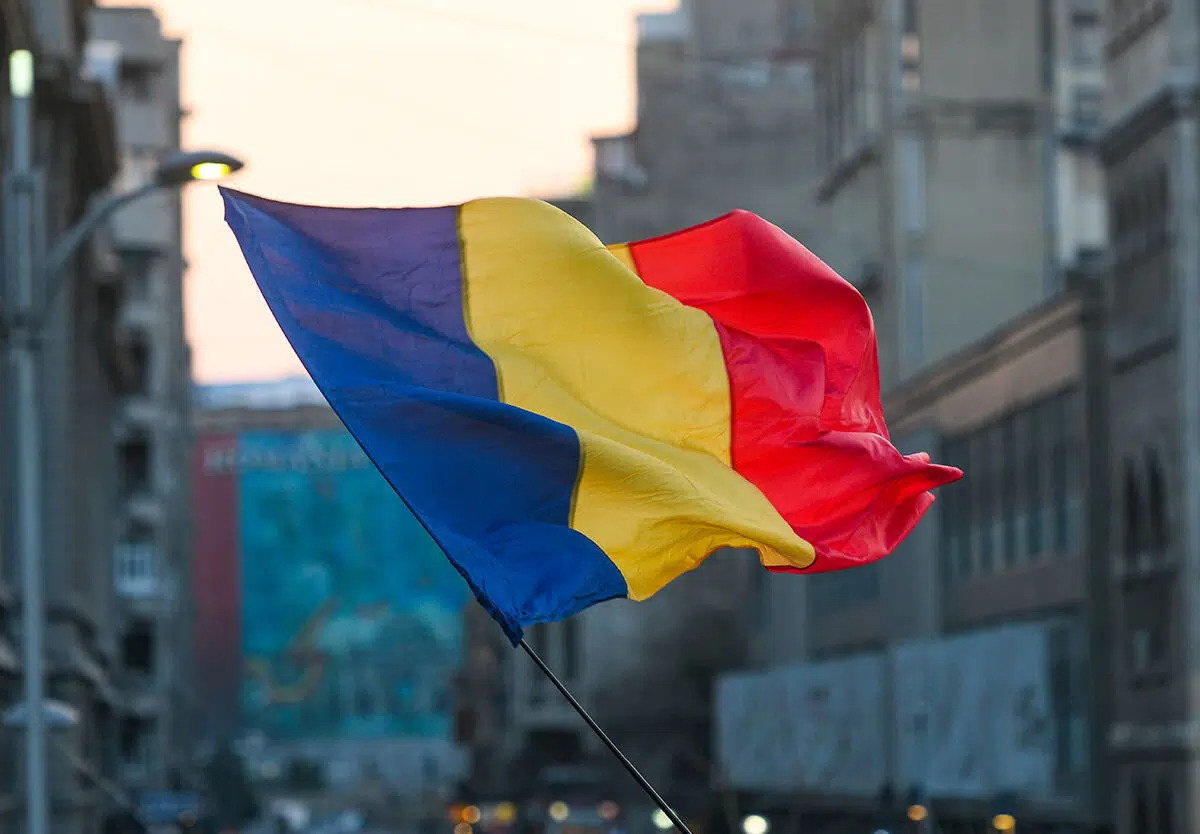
349	614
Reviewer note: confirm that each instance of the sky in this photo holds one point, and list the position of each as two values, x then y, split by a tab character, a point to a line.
386	103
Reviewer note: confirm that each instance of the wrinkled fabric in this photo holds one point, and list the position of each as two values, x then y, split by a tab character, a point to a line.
573	422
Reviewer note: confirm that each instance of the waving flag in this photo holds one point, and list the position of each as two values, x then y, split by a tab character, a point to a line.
574	422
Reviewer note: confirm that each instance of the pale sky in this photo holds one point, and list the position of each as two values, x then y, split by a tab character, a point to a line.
381	102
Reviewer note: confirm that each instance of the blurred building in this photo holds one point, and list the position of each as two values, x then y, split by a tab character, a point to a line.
328	624
83	375
956	669
964	195
955	167
152	558
1150	150
724	120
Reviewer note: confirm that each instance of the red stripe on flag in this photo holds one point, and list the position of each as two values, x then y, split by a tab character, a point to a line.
800	350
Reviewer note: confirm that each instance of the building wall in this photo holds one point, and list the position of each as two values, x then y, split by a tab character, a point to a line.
1150	147
942	142
1005	545
724	121
151	561
75	152
328	623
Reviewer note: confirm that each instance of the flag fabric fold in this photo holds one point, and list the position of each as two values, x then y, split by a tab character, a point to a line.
574	422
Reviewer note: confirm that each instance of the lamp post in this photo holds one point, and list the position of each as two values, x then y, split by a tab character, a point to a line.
21	332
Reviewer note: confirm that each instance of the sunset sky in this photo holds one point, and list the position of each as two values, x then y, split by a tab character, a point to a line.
381	102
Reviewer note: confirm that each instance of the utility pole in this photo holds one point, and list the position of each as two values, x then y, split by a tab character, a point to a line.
27	435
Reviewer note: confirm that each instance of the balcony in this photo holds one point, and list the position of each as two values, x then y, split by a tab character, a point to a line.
136	572
143	695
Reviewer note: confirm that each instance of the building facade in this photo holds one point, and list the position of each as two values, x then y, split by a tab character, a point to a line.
964	196
955	673
83	379
151	561
1150	154
328	624
724	118
955	168
725	104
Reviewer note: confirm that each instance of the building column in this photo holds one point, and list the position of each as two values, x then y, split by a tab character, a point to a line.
1186	210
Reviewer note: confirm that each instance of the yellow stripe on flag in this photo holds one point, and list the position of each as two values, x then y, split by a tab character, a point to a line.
577	337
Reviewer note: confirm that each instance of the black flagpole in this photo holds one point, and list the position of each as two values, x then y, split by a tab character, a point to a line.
600	734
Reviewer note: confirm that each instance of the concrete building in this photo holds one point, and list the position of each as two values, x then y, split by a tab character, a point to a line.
954	168
965	684
1150	155
963	195
328	624
152	558
724	120
84	377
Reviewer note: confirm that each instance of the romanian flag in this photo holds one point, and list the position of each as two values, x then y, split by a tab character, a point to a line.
574	422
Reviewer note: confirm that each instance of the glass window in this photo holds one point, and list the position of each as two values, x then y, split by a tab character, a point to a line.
955	517
1166	807
1060	480
1007	457
1035	543
1141	808
1132	499
1087	38
571	648
1159	534
983	461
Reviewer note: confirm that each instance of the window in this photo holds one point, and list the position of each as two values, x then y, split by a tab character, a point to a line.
955	517
1008	490
1086	38
797	20
1035	543
1150	606
984	497
137	648
539	643
1158	532
842	77
570	638
134	459
1087	108
137	82
1166	807
1060	473
1132	500
137	265
1140	812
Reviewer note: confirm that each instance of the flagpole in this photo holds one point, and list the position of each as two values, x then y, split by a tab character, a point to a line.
609	743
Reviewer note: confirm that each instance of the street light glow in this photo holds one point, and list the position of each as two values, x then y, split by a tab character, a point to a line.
754	824
209	171
661	821
1004	822
20	73
559	811
506	812
181	167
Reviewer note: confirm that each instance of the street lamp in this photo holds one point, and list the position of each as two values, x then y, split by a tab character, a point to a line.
20	334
